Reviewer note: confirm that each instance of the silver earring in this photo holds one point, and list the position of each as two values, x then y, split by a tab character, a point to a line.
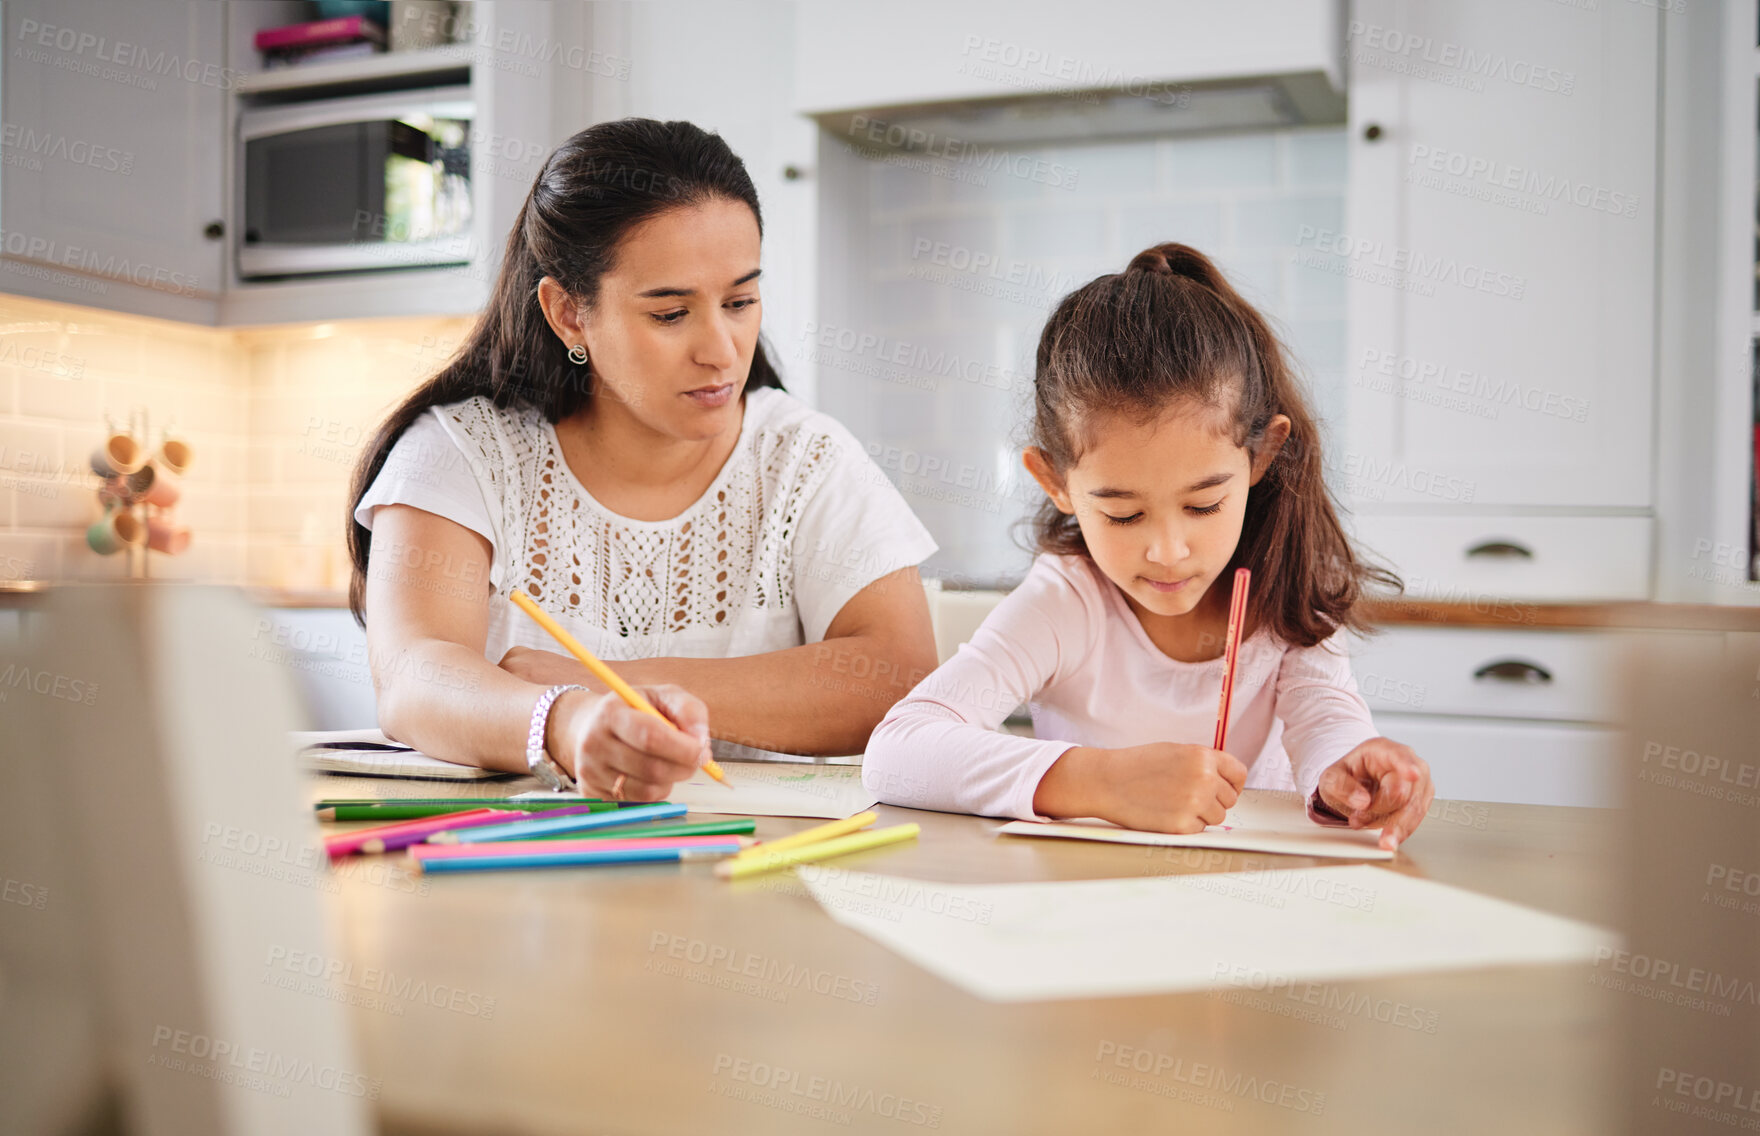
577	354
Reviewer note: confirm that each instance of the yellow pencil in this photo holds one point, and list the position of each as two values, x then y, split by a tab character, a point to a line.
602	672
813	835
743	866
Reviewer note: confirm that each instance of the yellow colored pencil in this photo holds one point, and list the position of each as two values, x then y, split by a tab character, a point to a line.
602	672
813	835
742	866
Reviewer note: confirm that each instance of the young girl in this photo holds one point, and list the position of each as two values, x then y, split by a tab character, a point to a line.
1174	446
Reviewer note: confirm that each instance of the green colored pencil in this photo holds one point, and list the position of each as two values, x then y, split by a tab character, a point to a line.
408	810
691	828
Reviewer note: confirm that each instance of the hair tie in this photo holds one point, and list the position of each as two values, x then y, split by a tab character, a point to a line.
1151	260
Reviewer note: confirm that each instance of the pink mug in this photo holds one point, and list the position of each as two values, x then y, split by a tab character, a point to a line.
164	535
155	484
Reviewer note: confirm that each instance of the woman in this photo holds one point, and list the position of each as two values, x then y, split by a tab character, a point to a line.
613	441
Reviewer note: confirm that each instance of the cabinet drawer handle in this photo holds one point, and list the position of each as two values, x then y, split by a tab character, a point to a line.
1512	670
1500	550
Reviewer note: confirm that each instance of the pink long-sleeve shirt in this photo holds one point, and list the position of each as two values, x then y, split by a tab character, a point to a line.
1066	644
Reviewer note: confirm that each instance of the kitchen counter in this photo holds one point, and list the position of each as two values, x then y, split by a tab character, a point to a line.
1505	614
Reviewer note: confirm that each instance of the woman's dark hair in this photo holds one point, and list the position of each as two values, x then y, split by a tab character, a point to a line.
592	190
1170	327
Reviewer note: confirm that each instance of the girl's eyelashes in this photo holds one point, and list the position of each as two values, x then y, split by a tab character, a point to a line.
1201	510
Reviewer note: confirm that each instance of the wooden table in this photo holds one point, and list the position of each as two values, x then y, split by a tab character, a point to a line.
659	999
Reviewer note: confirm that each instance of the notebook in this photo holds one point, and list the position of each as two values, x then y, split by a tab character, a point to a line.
371	753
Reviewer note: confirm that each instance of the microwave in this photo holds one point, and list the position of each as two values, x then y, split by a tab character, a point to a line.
362	183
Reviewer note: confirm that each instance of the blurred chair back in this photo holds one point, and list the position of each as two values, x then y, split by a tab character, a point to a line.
158	854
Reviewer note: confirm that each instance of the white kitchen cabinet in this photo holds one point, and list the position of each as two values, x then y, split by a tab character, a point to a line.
1499	249
731	74
112	155
514	60
1513	762
1474	558
856	56
1518	715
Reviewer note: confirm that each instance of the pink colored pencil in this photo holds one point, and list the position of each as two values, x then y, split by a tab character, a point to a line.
384	837
524	847
1237	616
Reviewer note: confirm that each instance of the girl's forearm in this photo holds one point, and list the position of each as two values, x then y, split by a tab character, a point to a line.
1068	787
451	703
821	698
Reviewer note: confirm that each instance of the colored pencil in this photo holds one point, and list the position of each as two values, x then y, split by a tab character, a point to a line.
740	827
602	672
541	826
384	836
574	858
522	847
553	801
391	812
840	846
815	834
1237	618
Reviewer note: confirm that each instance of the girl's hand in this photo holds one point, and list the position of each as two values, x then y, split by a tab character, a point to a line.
600	739
546	668
1380	784
1161	787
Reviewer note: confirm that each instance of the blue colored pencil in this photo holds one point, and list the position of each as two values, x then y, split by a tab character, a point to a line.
574	859
545	826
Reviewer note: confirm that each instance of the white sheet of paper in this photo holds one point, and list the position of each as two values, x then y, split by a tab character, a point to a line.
400	762
767	789
1171	934
1256	824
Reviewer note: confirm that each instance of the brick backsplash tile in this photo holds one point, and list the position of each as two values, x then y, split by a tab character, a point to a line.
1102	171
1311	287
29	556
885	242
1049	231
32	449
901	186
976	184
1258	277
1316	158
973	234
1241	161
58	503
1279	221
905	301
248	401
1196	223
74	400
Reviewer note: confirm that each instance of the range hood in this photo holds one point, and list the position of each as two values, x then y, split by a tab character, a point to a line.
931	77
1028	120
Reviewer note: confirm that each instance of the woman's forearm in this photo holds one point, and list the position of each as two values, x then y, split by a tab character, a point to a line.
451	703
821	698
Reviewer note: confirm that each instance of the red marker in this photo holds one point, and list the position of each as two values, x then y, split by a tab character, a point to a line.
1237	616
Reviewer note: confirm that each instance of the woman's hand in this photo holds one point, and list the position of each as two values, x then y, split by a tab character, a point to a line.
1380	784
620	753
546	668
1161	787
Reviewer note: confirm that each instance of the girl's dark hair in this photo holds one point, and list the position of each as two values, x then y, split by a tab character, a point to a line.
592	190
1171	327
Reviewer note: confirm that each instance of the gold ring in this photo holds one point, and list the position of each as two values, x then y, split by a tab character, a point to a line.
617	788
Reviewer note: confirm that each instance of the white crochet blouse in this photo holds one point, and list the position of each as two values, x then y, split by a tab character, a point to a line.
796	523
